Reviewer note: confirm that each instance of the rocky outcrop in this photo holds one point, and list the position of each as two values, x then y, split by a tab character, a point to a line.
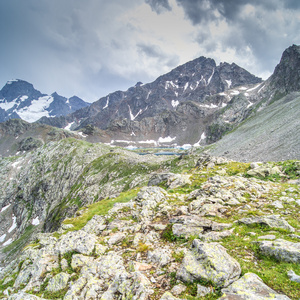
248	287
209	262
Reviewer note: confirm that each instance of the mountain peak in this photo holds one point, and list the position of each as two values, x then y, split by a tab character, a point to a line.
286	76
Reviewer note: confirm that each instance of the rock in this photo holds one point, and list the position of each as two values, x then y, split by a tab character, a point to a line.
23	296
141	267
109	265
203	290
79	260
116	238
250	287
79	241
273	221
209	261
281	250
277	204
267	237
58	282
186	230
168	296
293	277
215	236
160	256
96	225
178	289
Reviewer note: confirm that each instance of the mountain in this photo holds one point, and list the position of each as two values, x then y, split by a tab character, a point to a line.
160	110
19	99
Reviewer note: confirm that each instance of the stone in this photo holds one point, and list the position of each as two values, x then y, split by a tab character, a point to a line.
160	256
178	289
186	230
273	221
203	290
79	260
79	241
281	250
293	277
215	236
168	296
23	296
116	238
58	282
209	261
109	265
250	287
141	267
96	225
267	237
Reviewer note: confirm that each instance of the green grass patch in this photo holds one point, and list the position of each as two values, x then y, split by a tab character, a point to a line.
100	208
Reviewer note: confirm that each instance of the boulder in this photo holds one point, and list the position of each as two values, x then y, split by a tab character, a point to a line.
273	221
96	225
160	256
282	250
168	296
58	282
23	296
250	287
210	262
79	241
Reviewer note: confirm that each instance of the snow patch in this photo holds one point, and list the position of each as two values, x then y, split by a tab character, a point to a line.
148	95
8	242
148	142
11	81
36	110
14	224
132	117
15	164
202	138
186	86
222	94
132	133
8	105
68	127
2	238
81	134
224	104
261	89
35	221
186	146
211	76
254	88
167	139
250	104
170	83
175	103
246	94
229	83
234	93
107	102
5	208
208	106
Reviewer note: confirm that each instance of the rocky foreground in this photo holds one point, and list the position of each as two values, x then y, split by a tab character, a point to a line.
220	230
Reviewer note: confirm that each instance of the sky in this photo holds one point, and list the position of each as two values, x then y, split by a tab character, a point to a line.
91	48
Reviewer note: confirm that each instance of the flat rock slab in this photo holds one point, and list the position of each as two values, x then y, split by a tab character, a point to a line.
24	296
250	287
282	250
209	261
79	241
58	282
273	221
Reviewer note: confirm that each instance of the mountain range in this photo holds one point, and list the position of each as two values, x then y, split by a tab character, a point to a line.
82	220
20	100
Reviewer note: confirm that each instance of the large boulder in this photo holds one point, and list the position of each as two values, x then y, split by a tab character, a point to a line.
282	250
250	287
210	262
272	221
78	241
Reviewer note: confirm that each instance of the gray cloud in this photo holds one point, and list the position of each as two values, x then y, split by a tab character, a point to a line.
159	6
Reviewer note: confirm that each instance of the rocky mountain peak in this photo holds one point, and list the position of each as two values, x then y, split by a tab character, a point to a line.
286	77
16	88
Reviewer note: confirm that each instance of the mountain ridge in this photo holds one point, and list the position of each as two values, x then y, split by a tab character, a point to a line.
19	99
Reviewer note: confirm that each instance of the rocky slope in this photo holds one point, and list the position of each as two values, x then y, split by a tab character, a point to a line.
221	230
167	107
19	99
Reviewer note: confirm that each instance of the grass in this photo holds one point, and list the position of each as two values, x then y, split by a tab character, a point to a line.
100	208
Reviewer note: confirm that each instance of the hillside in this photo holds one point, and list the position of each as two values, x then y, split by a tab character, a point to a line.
191	227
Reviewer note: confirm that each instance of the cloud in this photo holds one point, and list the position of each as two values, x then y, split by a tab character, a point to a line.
159	6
